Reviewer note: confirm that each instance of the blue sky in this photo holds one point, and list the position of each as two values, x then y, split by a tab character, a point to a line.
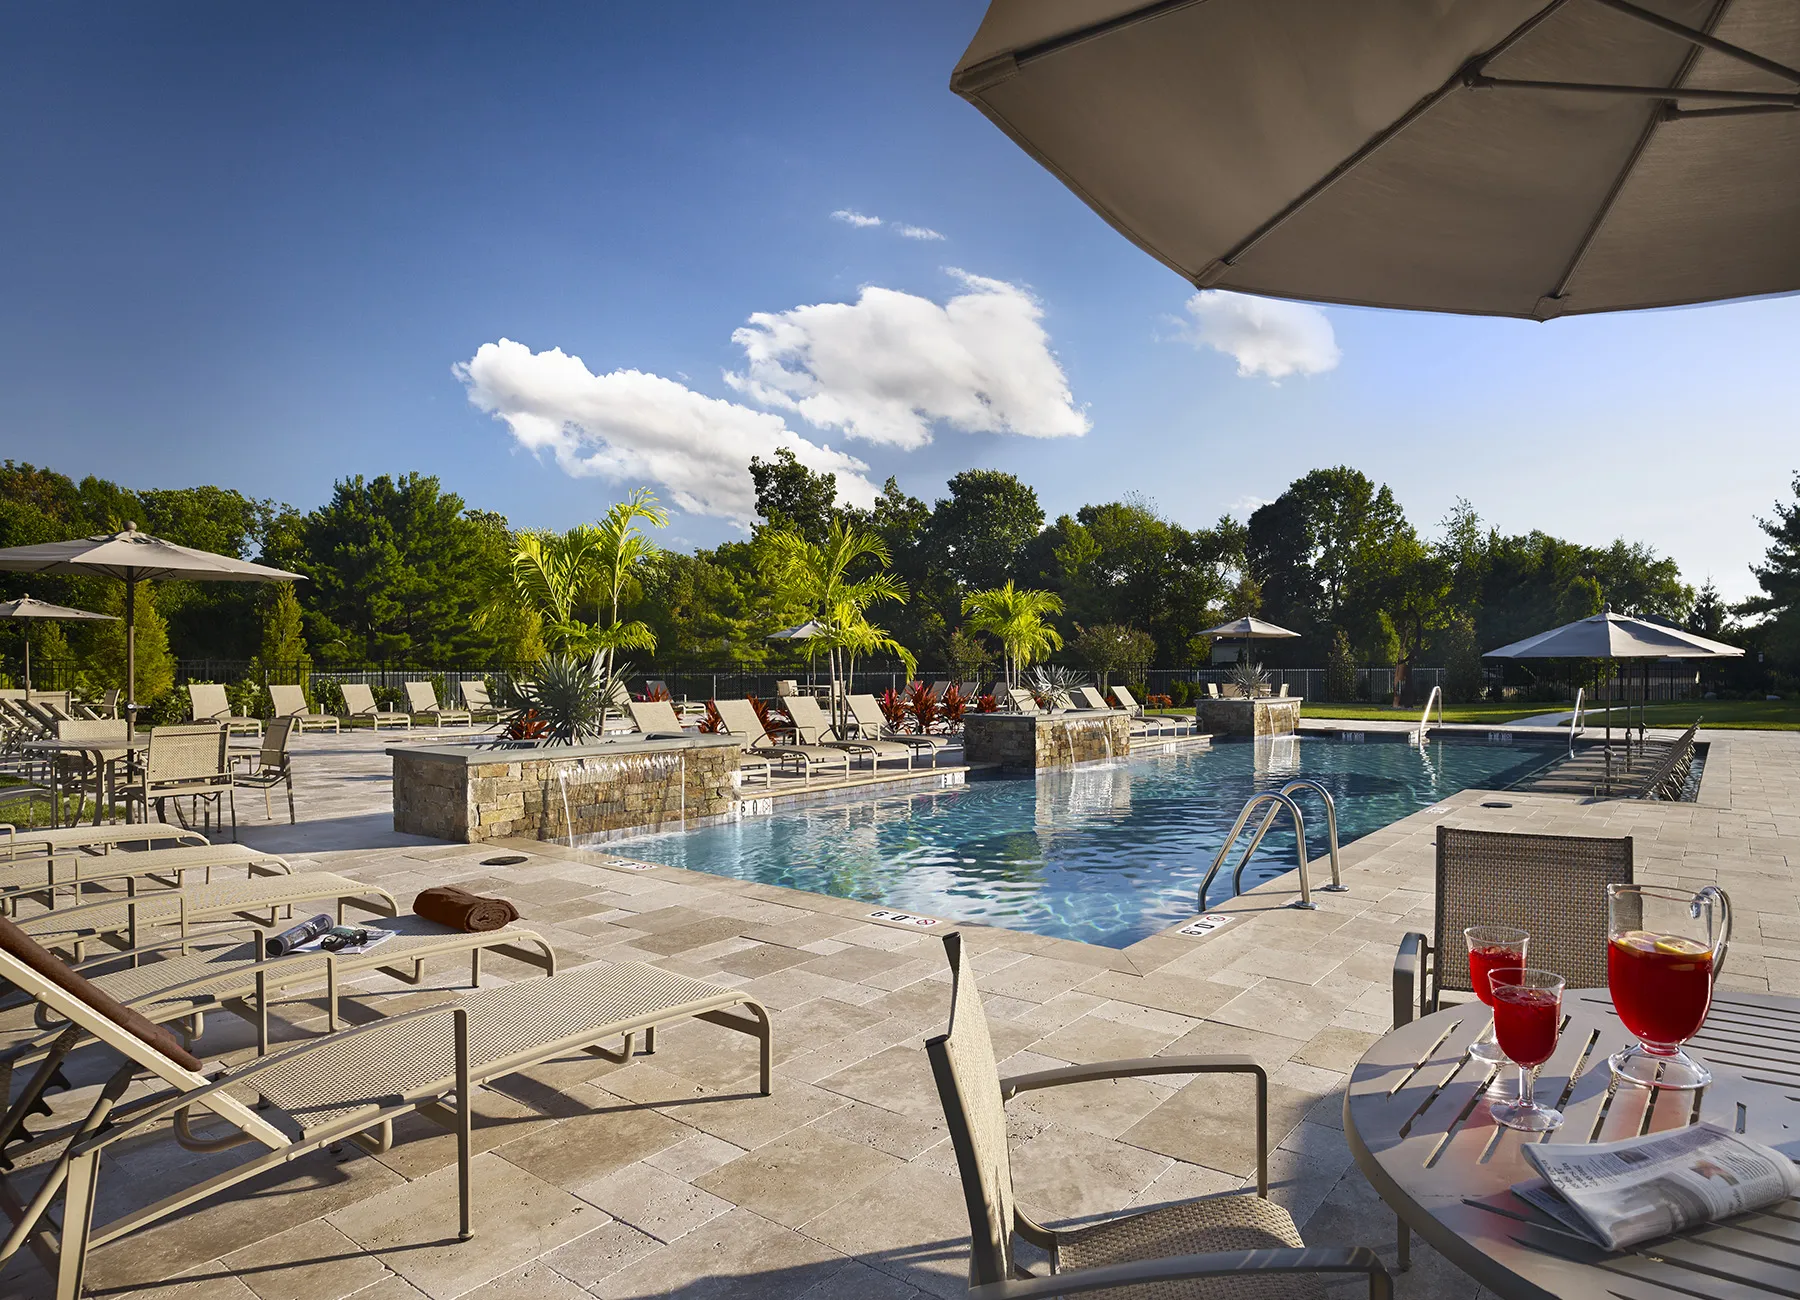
249	245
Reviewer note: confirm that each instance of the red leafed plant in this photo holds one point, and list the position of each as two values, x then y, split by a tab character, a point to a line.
774	719
953	705
923	706
1162	702
987	704
527	726
894	708
659	693
712	724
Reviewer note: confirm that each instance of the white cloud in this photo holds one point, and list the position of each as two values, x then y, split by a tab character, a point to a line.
915	232
628	426
1247	505
887	366
851	217
1265	336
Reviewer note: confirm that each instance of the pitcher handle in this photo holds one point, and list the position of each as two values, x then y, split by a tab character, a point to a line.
1713	894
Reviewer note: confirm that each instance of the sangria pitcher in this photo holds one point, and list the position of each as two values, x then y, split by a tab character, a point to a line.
1665	947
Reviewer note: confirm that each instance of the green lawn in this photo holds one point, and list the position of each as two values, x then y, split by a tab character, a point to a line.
1761	715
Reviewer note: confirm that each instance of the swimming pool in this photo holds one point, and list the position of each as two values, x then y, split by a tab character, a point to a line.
1108	854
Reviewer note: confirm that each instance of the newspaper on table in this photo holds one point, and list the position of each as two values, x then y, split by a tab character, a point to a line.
1620	1193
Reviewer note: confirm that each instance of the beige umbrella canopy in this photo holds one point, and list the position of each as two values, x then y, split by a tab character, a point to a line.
134	557
1530	158
1249	629
25	609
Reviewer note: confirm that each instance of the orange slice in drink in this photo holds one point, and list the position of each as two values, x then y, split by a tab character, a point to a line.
1642	940
1678	946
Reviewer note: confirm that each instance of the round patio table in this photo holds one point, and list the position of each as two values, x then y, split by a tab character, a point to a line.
1416	1115
106	754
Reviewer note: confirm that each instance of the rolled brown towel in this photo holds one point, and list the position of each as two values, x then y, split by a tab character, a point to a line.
457	908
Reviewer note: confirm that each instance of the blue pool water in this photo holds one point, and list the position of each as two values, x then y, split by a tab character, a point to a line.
1106	854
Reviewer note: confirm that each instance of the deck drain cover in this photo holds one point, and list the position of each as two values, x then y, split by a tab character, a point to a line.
505	860
1496	803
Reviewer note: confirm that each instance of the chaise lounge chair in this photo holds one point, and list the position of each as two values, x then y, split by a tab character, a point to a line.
290	702
1164	726
209	704
1215	1247
350	1085
477	701
1092	699
42	876
871	722
813	728
23	842
421	698
359	702
741	721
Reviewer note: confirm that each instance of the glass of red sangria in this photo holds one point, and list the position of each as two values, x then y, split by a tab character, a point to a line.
1664	949
1527	1021
1492	948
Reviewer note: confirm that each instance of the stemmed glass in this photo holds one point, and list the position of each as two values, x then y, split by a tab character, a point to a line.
1665	947
1492	948
1527	1021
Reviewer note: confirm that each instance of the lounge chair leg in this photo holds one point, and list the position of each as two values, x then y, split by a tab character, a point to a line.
650	1041
475	969
465	1122
1405	1260
78	1222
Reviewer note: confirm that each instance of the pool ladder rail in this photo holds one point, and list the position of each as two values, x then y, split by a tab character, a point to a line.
1420	736
1275	801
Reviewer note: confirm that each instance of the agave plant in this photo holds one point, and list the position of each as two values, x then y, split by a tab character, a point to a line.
1249	678
567	698
1053	685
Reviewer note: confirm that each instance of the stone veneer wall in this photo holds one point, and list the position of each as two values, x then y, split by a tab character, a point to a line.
470	795
1028	741
1276	716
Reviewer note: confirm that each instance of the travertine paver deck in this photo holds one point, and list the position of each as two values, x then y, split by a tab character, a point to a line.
665	1177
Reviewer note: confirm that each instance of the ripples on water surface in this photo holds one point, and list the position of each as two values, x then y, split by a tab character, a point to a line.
1106	854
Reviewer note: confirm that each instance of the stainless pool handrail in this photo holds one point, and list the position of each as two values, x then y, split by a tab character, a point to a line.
1577	720
1277	801
1296	786
1436	697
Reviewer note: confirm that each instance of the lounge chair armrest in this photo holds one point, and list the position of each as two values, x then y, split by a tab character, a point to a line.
1134	1068
1174	1268
182	1099
223	937
1409	977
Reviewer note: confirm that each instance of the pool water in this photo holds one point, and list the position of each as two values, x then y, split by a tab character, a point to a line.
1108	854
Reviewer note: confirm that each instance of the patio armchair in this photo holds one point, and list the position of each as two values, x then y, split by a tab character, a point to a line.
347	1086
422	702
1211	1247
359	702
741	720
1553	886
290	702
812	727
192	762
209	704
872	724
476	701
84	772
270	766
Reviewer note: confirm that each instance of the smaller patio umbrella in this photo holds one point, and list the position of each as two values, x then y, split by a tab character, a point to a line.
1248	629
803	632
134	557
27	608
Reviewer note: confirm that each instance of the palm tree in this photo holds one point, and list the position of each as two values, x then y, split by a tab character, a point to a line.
1015	618
817	576
619	548
552	573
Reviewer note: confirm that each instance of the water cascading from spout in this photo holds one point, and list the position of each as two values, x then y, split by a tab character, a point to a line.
562	782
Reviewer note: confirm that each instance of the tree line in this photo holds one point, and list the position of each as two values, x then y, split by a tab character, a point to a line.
401	571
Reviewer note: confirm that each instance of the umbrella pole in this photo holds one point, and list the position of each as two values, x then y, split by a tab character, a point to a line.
131	653
28	663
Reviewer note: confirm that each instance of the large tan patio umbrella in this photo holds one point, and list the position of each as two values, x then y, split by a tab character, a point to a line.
1616	637
25	608
133	557
1530	158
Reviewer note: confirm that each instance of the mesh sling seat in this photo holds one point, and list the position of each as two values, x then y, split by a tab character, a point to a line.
349	1085
32	841
812	727
85	876
1128	702
476	701
1219	1247
359	702
422	701
741	720
657	718
272	766
209	704
1553	886
185	762
1137	727
121	922
872	723
290	702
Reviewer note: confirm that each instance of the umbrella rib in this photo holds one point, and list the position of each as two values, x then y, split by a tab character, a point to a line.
1459	80
1703	39
989	71
1550	304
